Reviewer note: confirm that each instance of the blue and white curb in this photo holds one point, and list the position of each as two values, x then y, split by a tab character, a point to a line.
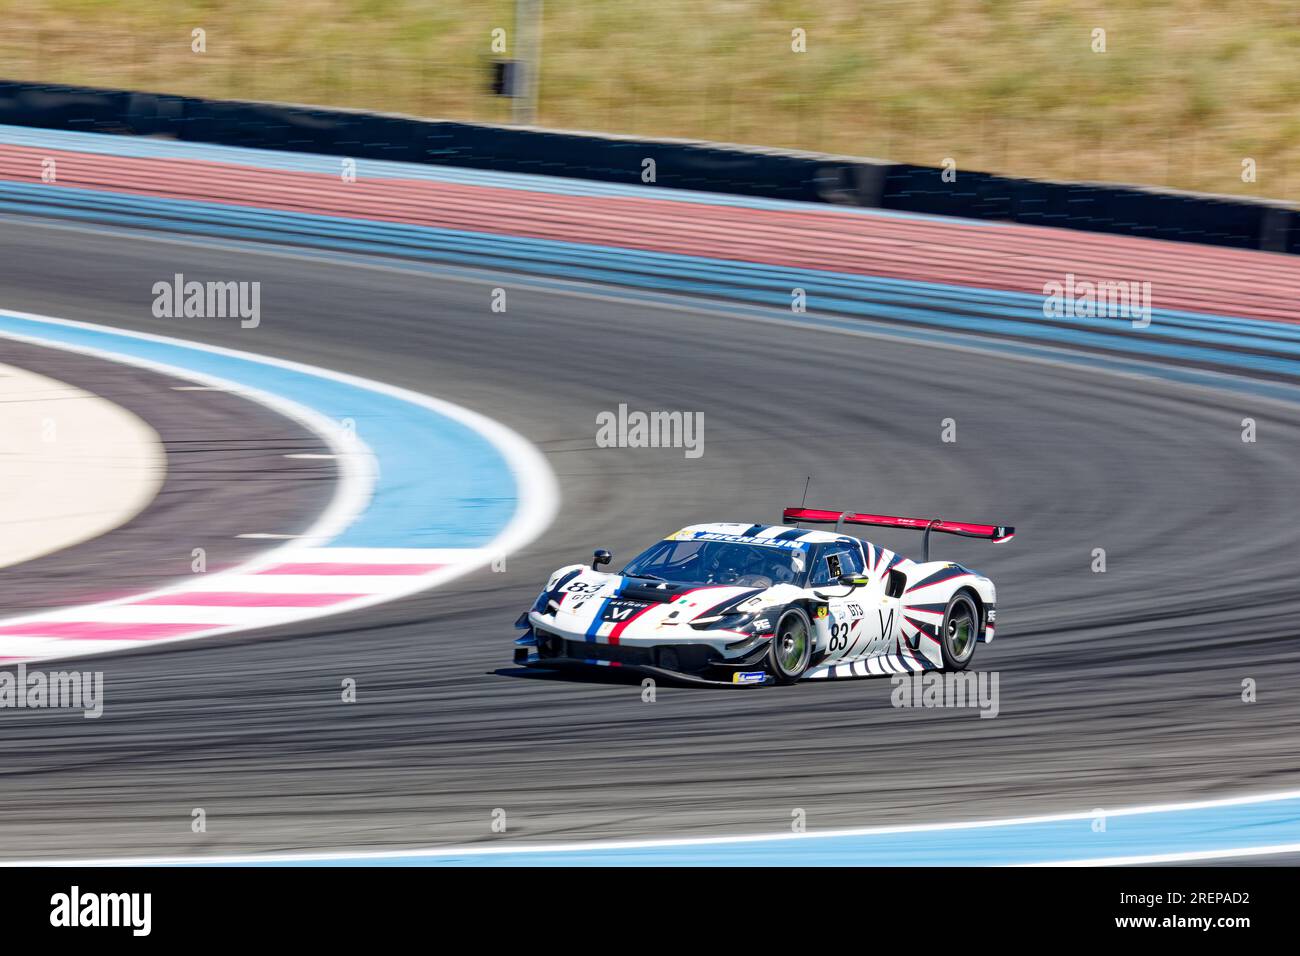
1236	827
427	491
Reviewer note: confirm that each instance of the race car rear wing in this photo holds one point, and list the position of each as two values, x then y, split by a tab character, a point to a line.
995	533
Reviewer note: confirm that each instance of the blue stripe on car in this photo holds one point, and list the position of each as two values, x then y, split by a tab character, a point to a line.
597	621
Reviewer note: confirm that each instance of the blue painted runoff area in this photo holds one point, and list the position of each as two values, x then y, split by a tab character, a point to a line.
1193	829
441	484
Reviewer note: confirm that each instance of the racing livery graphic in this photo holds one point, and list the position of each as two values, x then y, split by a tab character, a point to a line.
758	604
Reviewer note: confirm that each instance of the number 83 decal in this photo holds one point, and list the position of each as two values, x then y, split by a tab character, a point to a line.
842	626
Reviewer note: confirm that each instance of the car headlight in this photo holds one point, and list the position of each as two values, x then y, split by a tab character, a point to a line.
732	621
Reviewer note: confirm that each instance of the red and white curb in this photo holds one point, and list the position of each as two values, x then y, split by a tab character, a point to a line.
289	587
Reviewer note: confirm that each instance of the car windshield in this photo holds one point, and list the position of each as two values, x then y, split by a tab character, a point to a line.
706	561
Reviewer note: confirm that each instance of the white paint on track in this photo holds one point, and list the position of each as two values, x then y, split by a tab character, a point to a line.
73	465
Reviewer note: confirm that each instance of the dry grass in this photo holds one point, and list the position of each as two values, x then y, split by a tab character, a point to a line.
1186	90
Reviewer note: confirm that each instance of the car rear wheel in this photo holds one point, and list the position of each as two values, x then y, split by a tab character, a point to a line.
791	647
961	622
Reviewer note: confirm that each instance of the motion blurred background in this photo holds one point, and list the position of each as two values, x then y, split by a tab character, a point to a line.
1182	94
1120	687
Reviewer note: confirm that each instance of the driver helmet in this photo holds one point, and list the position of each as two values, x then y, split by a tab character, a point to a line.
735	561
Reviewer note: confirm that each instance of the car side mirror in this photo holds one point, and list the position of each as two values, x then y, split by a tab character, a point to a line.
850	581
601	556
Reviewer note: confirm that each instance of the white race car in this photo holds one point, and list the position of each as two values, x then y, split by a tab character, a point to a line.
757	604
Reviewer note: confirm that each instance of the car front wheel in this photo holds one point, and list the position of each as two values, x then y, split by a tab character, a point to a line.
791	647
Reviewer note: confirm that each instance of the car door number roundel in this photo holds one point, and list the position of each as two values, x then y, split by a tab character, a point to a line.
843	621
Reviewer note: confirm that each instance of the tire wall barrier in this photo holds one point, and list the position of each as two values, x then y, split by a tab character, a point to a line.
1184	217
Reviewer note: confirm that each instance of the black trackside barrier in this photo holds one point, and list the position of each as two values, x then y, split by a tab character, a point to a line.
1182	217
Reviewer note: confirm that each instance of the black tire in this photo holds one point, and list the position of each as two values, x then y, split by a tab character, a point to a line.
961	627
788	657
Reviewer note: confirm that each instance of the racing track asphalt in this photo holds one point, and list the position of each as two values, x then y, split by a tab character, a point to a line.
1117	688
